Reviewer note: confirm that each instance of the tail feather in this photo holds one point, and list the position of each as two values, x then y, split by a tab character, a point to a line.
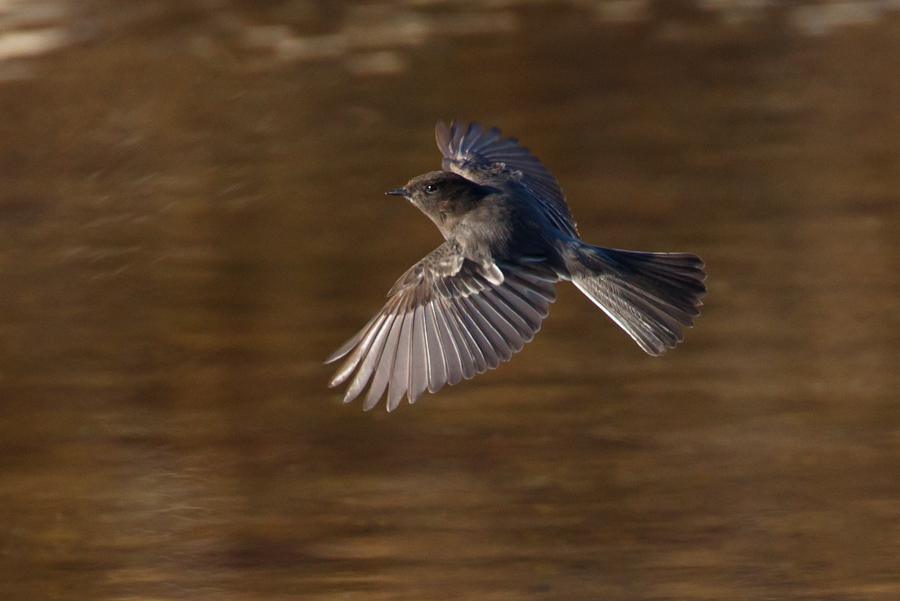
652	296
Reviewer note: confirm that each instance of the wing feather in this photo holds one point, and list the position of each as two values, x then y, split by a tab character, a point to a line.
418	357
437	360
483	325
399	382
479	352
451	345
462	331
385	364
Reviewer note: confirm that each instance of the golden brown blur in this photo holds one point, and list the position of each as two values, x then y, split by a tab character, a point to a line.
192	217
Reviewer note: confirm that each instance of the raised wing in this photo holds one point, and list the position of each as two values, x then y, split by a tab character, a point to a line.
480	155
447	318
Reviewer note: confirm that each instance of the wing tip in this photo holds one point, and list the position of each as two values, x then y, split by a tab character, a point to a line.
333	357
442	135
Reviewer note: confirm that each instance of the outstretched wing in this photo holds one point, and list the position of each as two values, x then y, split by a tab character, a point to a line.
479	155
446	319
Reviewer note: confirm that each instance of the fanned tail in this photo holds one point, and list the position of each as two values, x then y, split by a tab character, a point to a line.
652	296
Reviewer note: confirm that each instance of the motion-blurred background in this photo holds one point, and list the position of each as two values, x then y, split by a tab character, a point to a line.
192	217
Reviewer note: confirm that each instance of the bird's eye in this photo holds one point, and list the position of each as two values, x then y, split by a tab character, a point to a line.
430	188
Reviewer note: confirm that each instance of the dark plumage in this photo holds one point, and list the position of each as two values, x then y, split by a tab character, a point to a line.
480	296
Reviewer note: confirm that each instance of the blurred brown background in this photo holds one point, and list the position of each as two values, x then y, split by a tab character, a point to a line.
192	217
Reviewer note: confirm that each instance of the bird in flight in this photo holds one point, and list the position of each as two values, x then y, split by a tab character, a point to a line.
482	294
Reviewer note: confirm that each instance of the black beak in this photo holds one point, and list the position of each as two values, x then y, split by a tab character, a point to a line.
398	192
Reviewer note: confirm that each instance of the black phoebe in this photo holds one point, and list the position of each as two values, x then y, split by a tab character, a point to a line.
481	295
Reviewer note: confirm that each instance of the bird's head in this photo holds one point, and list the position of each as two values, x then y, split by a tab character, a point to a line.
442	195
